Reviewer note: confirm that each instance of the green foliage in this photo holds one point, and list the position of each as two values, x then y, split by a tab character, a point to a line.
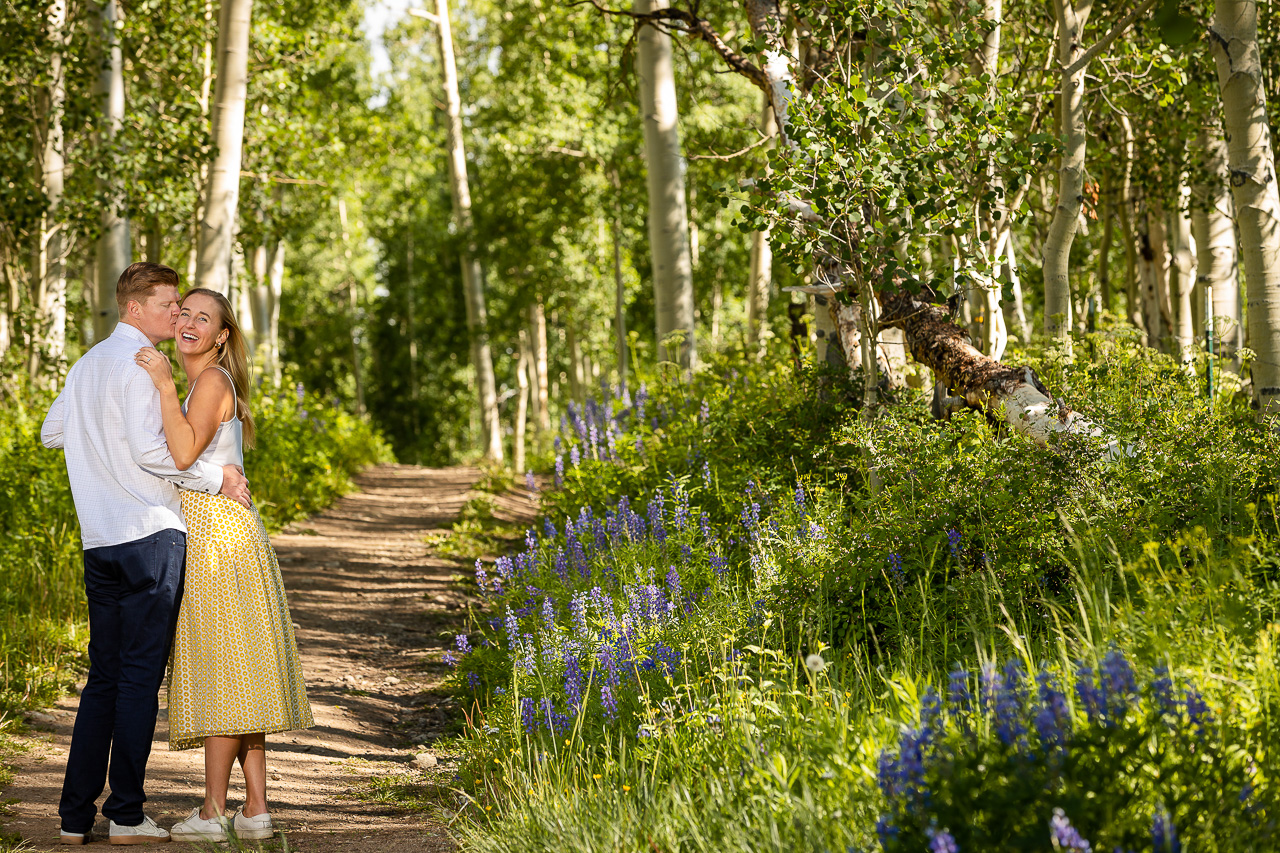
757	713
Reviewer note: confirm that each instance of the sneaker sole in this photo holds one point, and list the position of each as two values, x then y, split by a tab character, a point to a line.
198	836
139	839
255	834
76	840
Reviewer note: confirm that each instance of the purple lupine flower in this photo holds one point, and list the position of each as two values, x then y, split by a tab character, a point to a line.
548	612
706	474
800	498
1118	685
1009	703
896	574
558	444
482	578
573	683
473	680
673	586
959	693
1162	691
450	659
578	613
681	514
1088	693
574	456
549	529
816	532
609	702
1198	713
462	643
299	392
559	467
530	541
562	565
530	481
953	541
1053	717
1066	837
655	517
704	411
942	842
1164	835
513	630
719	564
529	714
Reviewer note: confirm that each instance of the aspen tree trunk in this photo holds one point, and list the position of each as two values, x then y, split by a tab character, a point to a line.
1108	238
1018	313
353	304
760	277
665	177
114	253
524	367
472	275
202	178
1211	220
1182	274
538	344
49	271
217	230
271	363
1066	216
619	285
1128	211
576	375
1234	36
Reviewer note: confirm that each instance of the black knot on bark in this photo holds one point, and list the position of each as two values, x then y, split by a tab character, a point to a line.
1239	177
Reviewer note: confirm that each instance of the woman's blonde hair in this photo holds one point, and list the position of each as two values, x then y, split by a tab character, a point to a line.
233	357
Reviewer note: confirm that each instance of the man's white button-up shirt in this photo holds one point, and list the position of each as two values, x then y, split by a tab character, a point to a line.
107	421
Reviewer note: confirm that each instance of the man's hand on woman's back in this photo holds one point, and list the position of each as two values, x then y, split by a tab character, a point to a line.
235	485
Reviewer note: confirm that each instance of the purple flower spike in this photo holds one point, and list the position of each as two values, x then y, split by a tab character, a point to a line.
942	842
1064	836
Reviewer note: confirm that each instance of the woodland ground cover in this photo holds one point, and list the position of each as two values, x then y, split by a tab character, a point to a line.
307	450
721	636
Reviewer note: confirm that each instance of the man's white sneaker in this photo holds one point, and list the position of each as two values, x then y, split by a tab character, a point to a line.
253	828
144	833
196	828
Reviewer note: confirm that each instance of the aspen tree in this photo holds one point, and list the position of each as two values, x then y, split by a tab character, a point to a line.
114	249
1211	220
218	228
1251	159
665	178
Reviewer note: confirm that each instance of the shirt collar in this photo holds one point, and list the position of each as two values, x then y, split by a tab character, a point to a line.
132	333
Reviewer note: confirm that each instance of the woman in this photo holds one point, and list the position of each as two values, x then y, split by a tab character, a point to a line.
234	676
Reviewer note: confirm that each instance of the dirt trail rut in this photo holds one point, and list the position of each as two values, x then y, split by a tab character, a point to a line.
375	610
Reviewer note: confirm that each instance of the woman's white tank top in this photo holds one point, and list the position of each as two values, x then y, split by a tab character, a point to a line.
227	446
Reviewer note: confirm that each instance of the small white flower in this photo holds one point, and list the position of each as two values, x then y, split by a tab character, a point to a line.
815	663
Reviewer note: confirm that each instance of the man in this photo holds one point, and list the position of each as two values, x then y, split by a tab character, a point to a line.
125	486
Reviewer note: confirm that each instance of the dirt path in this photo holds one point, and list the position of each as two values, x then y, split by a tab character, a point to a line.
375	610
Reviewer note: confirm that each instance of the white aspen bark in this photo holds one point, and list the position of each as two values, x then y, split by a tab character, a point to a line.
49	272
665	177
767	21
1182	274
256	296
1214	228
353	303
1066	215
472	275
524	367
1018	312
113	250
271	363
1128	212
1106	210
619	285
538	343
760	277
576	377
217	229
202	178
1234	36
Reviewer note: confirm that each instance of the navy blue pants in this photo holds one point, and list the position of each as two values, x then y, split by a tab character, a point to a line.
133	592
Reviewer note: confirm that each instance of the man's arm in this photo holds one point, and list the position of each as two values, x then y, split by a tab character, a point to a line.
51	431
144	432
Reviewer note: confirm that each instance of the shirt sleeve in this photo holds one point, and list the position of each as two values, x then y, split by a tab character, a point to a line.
51	431
144	431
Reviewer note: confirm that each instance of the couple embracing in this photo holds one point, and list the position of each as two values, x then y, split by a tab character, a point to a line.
178	568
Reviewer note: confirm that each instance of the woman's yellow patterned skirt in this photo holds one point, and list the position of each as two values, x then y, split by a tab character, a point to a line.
235	663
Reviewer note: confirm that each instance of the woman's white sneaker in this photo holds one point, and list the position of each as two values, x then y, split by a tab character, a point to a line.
196	828
253	828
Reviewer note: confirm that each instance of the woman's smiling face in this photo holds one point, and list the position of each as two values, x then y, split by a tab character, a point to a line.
199	327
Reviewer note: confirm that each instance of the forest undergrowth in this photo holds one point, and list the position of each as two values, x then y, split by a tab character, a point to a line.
307	450
754	619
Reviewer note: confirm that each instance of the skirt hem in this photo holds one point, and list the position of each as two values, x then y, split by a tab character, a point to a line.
197	740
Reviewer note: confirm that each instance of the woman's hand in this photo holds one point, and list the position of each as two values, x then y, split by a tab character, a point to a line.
157	366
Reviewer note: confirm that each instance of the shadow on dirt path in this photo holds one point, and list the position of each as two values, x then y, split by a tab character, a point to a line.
374	610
